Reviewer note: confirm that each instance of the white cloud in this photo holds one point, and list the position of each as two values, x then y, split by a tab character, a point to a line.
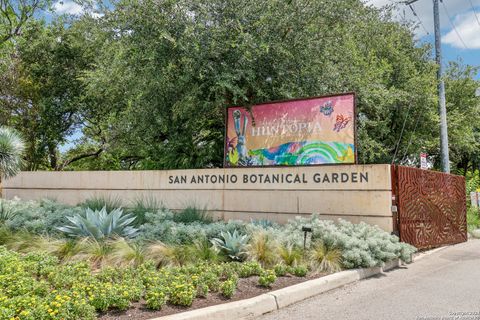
469	29
96	15
68	7
424	10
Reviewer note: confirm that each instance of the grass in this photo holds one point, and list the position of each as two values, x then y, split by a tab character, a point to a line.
192	214
143	204
6	212
262	249
290	255
325	259
473	219
98	202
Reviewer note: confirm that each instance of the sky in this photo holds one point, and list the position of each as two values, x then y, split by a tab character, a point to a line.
462	42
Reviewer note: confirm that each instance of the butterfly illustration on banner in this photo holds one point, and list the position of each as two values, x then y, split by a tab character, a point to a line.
341	122
327	108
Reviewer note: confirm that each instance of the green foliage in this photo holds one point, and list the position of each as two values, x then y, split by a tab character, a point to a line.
263	223
262	248
280	270
473	219
7	211
162	106
249	268
97	203
161	227
202	250
299	271
143	205
362	245
11	150
156	298
290	254
100	225
267	278
233	245
182	294
228	287
192	214
39	217
325	259
124	253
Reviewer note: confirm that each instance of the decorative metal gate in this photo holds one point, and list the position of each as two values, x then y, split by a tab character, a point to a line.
431	207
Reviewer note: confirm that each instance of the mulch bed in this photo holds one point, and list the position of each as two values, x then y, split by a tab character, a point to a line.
247	288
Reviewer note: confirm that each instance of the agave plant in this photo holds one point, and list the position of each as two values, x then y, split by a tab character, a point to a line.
232	244
11	149
101	225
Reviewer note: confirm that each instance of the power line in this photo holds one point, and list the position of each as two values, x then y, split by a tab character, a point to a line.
419	115
401	134
418	18
453	26
474	12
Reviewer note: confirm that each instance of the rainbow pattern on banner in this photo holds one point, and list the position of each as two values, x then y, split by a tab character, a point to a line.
303	153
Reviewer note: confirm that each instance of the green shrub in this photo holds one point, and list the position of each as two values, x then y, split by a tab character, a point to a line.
298	271
210	279
362	245
97	203
192	214
181	293
155	297
100	225
267	278
143	205
248	269
280	270
473	219
290	255
161	227
40	217
263	223
203	250
228	287
7	210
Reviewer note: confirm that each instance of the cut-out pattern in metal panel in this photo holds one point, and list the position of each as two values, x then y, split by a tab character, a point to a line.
431	207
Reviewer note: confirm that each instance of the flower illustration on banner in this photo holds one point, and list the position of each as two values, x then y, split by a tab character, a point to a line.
341	122
327	108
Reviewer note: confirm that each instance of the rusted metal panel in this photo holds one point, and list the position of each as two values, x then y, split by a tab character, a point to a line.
431	207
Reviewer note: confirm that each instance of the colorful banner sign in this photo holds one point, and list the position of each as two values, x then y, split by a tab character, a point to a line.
298	132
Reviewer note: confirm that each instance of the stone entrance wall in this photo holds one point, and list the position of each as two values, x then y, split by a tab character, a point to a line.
352	192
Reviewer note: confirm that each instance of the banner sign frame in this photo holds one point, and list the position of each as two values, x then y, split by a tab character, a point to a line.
241	124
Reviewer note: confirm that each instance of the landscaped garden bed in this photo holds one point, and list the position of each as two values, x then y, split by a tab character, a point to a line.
97	260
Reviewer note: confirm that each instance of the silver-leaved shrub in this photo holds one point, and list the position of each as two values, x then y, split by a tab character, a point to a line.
362	245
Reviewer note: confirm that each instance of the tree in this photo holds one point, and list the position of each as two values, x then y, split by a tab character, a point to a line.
14	15
463	112
167	70
40	94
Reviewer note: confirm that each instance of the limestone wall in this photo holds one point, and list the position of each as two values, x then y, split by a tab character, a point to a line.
352	192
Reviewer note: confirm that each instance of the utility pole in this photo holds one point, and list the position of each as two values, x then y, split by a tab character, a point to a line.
442	110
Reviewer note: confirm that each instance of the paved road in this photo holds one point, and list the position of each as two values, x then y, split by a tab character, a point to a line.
438	286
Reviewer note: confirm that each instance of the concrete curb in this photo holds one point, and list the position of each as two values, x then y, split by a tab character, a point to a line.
420	255
256	306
